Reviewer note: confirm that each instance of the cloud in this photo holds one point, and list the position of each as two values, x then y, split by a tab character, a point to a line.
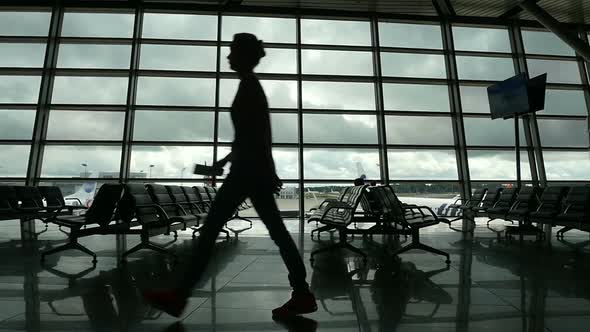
14	161
66	161
416	97
481	39
24	23
173	126
340	95
484	68
335	32
16	124
89	90
422	165
557	71
19	89
418	130
268	29
413	65
409	35
74	125
22	55
179	26
97	25
176	91
178	57
351	129
94	56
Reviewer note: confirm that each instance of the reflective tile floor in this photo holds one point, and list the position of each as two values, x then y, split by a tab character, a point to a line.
491	285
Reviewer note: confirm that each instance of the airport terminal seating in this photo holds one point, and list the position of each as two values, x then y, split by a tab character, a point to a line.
389	214
212	192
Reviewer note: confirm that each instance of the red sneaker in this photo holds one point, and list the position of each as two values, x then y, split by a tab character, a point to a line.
167	301
300	303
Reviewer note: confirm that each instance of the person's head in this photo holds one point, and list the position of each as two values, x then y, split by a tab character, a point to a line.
245	52
359	181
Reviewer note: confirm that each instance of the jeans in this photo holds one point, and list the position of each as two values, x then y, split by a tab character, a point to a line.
231	194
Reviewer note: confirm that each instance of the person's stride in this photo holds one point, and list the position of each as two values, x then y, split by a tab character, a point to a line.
252	175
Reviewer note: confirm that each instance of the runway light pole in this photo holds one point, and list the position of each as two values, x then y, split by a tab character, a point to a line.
151	166
85	169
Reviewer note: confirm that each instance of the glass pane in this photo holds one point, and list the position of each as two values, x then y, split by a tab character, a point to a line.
542	42
97	25
89	90
178	57
68	161
485	131
94	56
496	165
433	195
284	128
409	35
315	193
474	99
566	165
337	164
14	160
267	29
335	32
24	23
481	39
169	161
345	129
277	60
177	91
417	130
339	95
17	124
557	71
337	62
19	89
565	102
173	126
422	165
286	163
566	133
179	26
484	68
280	94
412	97
413	65
74	125
22	55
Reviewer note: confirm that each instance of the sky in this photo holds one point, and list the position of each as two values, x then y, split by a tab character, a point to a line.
327	128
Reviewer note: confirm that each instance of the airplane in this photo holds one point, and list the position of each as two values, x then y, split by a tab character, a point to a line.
84	196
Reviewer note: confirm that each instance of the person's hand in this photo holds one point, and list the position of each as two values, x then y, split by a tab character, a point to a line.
277	185
219	163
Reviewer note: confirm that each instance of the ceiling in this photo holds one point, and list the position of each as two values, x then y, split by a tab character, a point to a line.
567	11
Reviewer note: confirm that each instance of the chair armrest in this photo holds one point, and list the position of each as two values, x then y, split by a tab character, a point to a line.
74	199
163	215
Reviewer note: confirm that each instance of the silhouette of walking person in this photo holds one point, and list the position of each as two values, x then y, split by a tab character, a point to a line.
252	175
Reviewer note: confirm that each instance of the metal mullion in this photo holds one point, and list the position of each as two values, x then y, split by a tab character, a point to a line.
338	78
300	140
63	142
88	108
175	108
18	106
23	40
492	147
289	46
45	94
92	72
445	147
176	73
217	86
565	148
337	146
415	80
456	110
22	71
271	110
417	113
95	40
583	66
483	54
185	42
15	142
331	47
551	57
261	76
561	117
388	49
127	143
12	179
531	129
173	143
338	112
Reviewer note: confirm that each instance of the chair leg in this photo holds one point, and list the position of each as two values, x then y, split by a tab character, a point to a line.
73	244
416	244
434	251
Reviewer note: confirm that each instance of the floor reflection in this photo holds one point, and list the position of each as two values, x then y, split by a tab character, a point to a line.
491	285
